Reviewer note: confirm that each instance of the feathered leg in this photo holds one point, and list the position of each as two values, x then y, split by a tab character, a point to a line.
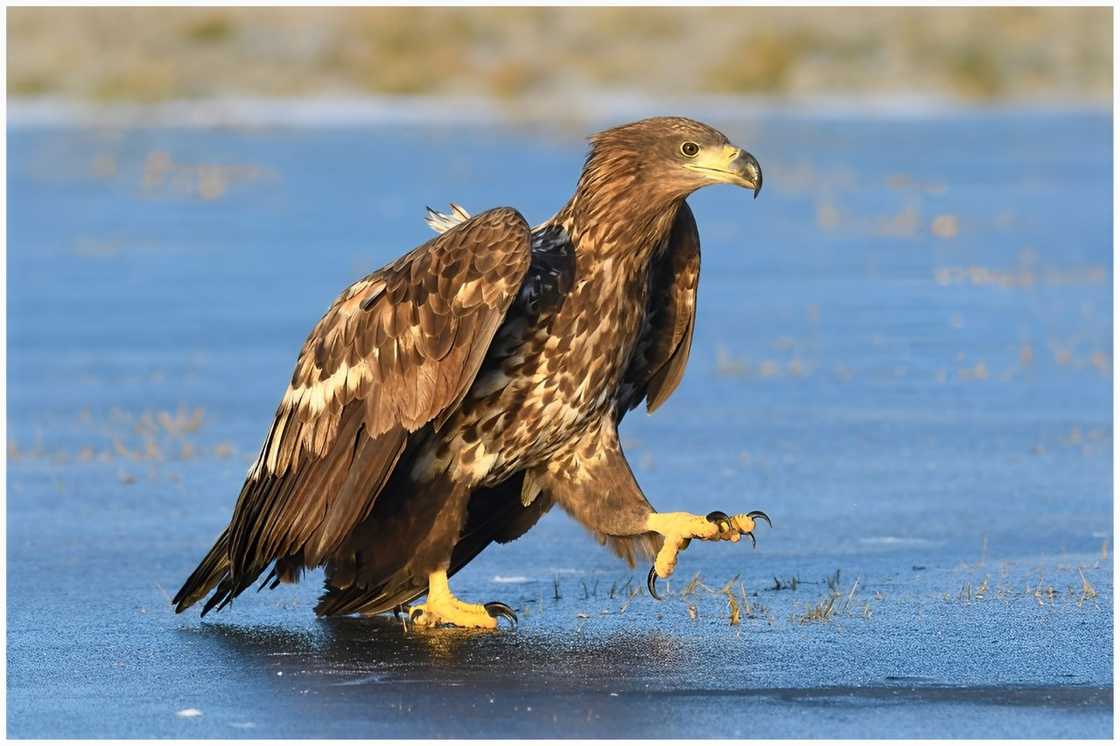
407	548
432	558
594	483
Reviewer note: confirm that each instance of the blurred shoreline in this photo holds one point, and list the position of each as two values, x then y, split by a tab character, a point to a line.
519	58
435	111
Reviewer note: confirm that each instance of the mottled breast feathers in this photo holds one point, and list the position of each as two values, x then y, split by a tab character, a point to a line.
396	351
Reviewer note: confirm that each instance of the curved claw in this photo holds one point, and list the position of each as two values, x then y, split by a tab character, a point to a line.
415	614
497	609
758	514
721	519
651	582
754	543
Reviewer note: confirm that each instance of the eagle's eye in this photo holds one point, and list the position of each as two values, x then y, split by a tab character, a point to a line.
690	149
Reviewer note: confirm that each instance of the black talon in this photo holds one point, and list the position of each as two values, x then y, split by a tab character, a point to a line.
498	609
721	519
754	544
756	514
651	582
415	614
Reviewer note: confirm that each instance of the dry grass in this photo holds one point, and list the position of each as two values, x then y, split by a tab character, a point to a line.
151	437
733	609
1088	592
787	585
1042	591
738	606
634	592
153	54
821	612
162	175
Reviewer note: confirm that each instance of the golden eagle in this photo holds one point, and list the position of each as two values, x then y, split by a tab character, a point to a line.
451	398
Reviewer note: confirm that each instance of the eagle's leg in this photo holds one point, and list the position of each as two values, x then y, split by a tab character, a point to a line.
441	607
681	528
593	482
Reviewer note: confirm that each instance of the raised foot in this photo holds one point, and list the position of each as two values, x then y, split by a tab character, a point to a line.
679	529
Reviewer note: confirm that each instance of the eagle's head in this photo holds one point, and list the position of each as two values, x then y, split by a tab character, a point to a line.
671	157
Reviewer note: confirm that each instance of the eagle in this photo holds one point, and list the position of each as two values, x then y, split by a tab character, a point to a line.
451	398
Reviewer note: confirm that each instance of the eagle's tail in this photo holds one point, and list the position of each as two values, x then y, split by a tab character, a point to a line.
213	569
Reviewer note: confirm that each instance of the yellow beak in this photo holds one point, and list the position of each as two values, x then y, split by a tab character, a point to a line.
729	165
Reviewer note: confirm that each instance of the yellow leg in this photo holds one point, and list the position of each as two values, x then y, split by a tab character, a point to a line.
681	528
441	608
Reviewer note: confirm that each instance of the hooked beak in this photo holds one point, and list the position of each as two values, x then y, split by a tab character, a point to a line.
731	166
749	171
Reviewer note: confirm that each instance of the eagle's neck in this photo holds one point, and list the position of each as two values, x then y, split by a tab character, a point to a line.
618	220
616	242
621	209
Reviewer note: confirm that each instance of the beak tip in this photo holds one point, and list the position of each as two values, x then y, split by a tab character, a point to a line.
754	172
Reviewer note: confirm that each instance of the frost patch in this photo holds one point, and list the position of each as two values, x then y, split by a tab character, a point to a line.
897	541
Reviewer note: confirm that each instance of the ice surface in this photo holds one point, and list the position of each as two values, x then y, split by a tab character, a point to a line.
928	415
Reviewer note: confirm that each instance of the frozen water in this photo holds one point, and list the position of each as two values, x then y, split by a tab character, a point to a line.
904	355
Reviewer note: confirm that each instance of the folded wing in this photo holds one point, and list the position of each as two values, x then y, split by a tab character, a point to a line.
662	353
395	352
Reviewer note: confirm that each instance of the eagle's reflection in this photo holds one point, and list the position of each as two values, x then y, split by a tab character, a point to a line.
353	650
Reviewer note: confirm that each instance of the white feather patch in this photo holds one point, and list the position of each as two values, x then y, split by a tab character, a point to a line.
442	222
313	398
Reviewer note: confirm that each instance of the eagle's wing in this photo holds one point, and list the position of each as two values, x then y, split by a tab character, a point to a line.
662	352
396	351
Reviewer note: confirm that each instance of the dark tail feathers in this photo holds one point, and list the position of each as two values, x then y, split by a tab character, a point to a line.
213	569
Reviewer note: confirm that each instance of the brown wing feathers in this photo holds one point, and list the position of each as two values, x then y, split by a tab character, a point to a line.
396	350
675	309
663	354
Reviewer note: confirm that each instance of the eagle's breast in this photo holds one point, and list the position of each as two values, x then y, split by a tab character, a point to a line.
555	366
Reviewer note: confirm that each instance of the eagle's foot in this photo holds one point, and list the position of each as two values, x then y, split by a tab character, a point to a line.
456	615
681	528
442	608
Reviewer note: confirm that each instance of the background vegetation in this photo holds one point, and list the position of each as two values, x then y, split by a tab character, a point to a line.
153	54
